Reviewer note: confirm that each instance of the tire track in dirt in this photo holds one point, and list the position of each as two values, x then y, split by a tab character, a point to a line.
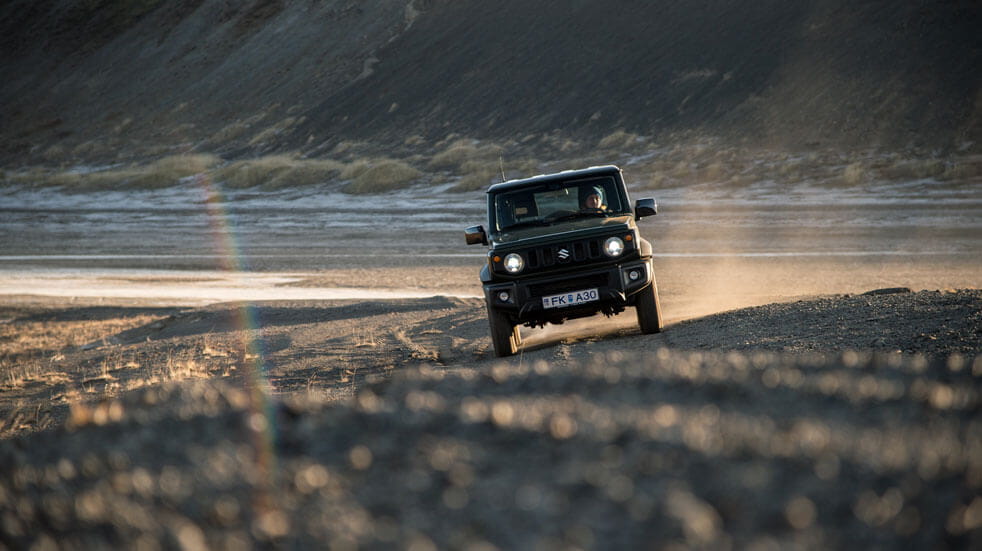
366	340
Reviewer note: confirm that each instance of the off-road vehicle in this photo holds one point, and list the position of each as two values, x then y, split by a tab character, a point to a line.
564	246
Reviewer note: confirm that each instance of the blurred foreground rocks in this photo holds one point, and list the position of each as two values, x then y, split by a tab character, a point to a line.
620	451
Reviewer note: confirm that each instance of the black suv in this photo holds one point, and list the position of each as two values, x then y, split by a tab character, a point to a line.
564	246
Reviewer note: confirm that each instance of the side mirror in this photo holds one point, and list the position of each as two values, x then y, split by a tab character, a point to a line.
645	207
475	235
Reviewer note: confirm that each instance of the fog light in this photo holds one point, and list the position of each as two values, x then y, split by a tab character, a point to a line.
634	275
503	296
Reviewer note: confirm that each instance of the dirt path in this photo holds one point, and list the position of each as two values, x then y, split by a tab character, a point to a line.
55	355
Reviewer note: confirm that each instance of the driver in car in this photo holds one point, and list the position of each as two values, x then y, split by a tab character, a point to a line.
594	200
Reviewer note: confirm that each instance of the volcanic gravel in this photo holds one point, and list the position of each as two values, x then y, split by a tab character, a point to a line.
894	319
658	448
698	449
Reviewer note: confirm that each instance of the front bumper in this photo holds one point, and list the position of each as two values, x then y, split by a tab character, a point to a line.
521	299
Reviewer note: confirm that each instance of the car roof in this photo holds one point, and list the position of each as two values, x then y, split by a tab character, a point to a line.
559	176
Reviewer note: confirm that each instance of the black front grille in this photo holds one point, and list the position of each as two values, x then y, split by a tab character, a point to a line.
572	253
568	285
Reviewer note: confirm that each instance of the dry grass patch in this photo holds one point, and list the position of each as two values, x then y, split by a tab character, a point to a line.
277	171
169	170
269	134
619	139
164	172
461	152
21	374
236	129
964	169
51	360
913	169
43	337
855	174
229	132
478	175
25	418
378	176
355	169
269	172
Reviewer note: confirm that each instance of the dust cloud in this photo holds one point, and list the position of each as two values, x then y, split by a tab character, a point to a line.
693	287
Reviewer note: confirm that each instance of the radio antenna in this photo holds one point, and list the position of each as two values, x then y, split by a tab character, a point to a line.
501	167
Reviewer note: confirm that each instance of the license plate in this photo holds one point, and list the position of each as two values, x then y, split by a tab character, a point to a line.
570	299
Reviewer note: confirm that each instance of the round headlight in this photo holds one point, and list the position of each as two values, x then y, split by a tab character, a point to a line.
514	263
613	246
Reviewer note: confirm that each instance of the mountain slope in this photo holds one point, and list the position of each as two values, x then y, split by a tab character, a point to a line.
845	72
106	78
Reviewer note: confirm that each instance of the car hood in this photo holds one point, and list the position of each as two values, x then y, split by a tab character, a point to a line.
571	229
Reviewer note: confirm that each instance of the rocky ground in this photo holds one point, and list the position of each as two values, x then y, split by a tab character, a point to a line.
833	422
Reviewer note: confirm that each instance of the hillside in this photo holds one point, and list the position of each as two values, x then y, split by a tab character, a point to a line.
109	80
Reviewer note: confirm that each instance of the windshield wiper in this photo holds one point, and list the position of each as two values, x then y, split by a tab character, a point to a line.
584	214
526	224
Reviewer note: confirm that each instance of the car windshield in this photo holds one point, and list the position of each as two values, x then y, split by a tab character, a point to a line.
554	202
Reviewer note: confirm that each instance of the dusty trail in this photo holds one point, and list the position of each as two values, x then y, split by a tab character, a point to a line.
151	326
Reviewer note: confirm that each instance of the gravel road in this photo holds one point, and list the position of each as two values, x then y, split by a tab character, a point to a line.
835	422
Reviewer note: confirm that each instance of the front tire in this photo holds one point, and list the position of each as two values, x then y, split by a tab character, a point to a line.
649	309
504	336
